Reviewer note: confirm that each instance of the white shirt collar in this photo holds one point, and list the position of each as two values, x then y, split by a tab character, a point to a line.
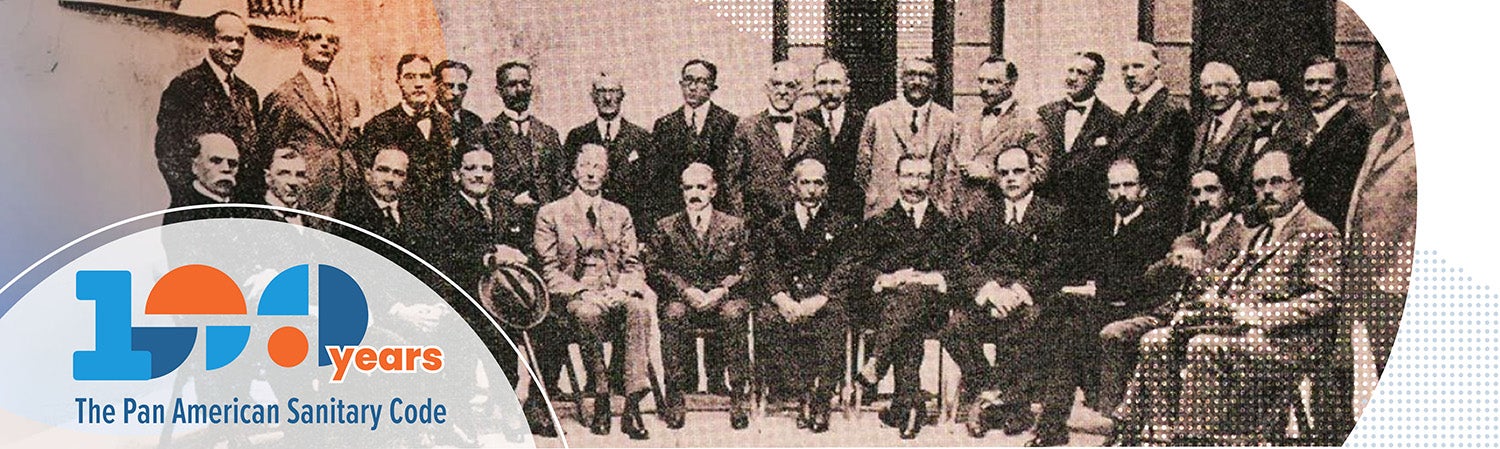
219	72
706	215
774	113
473	202
1150	92
1327	114
395	206
1216	227
1088	104
689	111
1279	223
921	110
1005	106
805	214
1125	220
410	112
273	200
614	125
515	116
584	200
1021	205
918	210
835	112
1227	117
208	193
313	77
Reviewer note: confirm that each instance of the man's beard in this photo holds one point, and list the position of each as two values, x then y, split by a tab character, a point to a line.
1125	206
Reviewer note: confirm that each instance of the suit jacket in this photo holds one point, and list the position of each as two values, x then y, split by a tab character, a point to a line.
1028	253
890	242
801	262
577	257
465	124
1286	138
1290	282
681	261
1383	212
1158	138
680	146
1230	153
1183	286
1016	127
193	198
1332	161
634	166
1118	261
358	208
760	169
295	117
456	236
887	136
532	164
842	158
195	102
429	173
1076	176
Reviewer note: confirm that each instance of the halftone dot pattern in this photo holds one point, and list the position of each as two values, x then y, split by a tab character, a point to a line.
1440	387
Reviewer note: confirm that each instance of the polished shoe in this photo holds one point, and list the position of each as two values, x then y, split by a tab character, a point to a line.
630	421
1048	440
1018	419
911	424
977	425
602	415
819	423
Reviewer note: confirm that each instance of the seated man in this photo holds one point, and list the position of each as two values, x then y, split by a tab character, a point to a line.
285	178
1016	246
699	257
906	254
591	262
379	207
802	322
1255	322
215	164
1217	234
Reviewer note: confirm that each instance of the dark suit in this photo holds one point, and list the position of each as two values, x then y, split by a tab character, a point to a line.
801	262
1283	137
1076	173
760	169
430	166
294	116
633	168
1332	161
194	103
465	124
890	242
1158	137
680	146
682	261
526	164
1228	153
194	198
1026	253
842	158
358	208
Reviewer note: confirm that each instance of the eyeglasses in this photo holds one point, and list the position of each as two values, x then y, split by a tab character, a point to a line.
457	86
1208	189
689	81
1274	182
332	38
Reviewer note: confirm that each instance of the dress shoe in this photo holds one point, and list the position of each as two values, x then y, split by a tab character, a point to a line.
739	417
1048	439
820	413
674	415
1018	419
912	423
630	421
600	424
892	416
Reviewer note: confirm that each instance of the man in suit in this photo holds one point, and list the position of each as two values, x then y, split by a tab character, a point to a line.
700	255
1002	124
313	113
633	161
1337	137
1115	249
215	166
284	180
802	319
1156	130
1216	234
1268	109
1079	128
380	206
419	128
591	262
1015	247
208	98
699	131
907	255
1226	135
452	87
907	126
831	82
528	151
767	145
1272	300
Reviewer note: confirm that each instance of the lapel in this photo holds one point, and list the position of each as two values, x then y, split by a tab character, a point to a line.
1091	126
765	132
802	134
319	109
1389	155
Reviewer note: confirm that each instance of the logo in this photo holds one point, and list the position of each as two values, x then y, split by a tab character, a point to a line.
123	352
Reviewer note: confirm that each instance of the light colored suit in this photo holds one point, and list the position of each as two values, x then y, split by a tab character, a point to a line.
295	116
1015	127
1382	227
887	136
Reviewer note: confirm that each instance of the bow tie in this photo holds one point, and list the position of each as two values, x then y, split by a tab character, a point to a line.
1263	133
1075	107
776	119
996	111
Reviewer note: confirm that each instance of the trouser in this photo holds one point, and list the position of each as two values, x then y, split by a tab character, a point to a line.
1234	390
1066	344
549	341
1148	409
968	329
802	358
594	326
909	313
1120	345
728	316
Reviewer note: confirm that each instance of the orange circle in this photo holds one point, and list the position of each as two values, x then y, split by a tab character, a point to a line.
287	346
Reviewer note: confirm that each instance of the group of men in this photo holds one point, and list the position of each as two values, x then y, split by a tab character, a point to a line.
1181	268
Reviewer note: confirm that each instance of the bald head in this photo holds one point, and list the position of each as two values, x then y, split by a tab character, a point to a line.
783	85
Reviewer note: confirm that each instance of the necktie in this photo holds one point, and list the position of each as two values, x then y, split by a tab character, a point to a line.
1012	214
609	135
833	128
1213	130
993	111
521	127
484	208
1075	107
1263	237
1135	106
697	122
698	226
911	212
781	119
1203	229
1263	132
1119	223
332	97
390	214
914	114
592	217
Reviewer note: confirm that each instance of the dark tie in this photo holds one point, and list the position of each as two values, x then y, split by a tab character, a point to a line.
521	126
781	119
390	216
1263	132
1262	238
914	114
608	135
592	217
993	111
1213	131
1075	107
1135	106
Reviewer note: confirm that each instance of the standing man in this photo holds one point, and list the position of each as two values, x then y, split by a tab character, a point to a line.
208	98
215	166
1225	137
1012	268
831	82
699	131
1337	138
700	255
1001	125
802	318
908	126
1078	127
527	151
452	87
768	145
633	161
1268	108
591	262
313	113
419	128
1156	130
907	254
